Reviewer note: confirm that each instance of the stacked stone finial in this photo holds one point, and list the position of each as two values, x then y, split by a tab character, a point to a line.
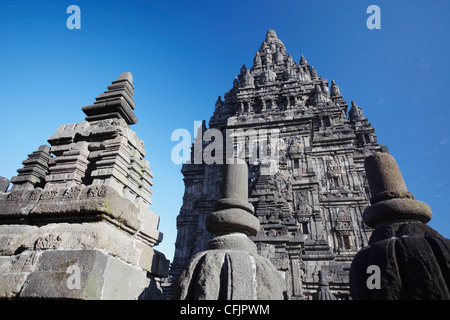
230	268
103	151
83	202
117	102
405	259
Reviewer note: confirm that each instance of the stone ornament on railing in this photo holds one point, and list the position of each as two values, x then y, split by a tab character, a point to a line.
406	259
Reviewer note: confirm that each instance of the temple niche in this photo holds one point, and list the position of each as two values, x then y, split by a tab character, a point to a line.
310	198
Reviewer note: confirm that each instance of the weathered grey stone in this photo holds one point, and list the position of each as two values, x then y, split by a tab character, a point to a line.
14	271
13	238
222	221
309	193
33	241
117	102
228	275
395	210
323	292
411	260
81	203
99	235
124	281
84	274
50	278
34	171
385	179
390	200
233	241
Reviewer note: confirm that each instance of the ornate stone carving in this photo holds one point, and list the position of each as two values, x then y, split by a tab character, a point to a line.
13	196
295	194
335	92
343	224
257	60
232	221
49	194
35	194
84	199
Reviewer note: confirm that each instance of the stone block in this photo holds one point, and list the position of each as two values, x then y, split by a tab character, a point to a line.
17	203
85	274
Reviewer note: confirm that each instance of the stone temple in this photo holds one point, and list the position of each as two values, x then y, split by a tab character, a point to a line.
309	191
281	195
76	223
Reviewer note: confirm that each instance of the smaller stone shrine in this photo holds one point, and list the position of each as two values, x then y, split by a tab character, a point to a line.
406	259
76	222
230	268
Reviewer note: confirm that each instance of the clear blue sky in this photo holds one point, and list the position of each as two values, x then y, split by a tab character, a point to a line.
183	54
